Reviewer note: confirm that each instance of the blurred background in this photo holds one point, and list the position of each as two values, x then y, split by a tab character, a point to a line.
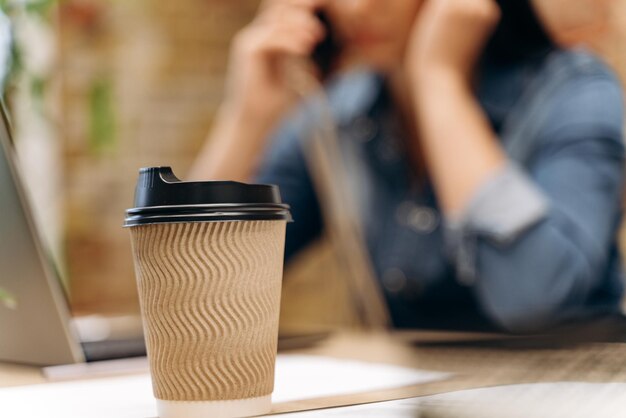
99	88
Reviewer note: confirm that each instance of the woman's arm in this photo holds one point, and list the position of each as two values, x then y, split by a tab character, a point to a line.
536	277
460	147
257	98
540	239
257	94
234	146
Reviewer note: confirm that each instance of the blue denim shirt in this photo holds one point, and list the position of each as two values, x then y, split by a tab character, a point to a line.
535	246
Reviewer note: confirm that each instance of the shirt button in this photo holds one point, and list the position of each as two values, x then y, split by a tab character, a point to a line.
422	219
394	280
364	129
387	153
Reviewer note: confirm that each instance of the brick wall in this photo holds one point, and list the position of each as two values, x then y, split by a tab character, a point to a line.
153	72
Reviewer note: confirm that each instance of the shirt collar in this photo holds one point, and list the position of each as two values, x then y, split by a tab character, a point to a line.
353	94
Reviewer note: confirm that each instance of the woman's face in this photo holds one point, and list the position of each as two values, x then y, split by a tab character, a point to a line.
573	22
374	32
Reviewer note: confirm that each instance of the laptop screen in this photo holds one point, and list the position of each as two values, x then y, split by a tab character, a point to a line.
35	329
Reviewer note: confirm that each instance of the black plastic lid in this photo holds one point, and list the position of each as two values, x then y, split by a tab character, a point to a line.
161	197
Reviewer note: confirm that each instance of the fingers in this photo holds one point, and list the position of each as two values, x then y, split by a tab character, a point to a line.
482	12
280	39
290	15
283	28
466	20
280	10
451	34
304	4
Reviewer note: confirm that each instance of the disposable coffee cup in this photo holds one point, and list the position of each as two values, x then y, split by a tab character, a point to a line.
208	261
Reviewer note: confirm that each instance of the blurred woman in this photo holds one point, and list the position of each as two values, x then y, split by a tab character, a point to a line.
490	159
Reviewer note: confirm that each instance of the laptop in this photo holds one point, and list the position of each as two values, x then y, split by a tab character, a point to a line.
36	327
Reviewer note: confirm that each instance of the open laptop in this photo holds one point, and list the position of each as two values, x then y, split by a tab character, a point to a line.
37	328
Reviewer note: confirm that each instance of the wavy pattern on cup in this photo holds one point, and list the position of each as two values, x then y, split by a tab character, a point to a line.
210	296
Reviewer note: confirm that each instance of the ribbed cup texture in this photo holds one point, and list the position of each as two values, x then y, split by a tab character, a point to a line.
210	297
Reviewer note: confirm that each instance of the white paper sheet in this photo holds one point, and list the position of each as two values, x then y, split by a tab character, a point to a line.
297	377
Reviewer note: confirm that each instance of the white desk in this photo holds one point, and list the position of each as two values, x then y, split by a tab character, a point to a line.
473	367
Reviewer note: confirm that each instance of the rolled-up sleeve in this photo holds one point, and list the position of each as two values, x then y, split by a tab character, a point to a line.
534	242
508	204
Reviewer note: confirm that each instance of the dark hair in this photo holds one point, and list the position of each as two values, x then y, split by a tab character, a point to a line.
519	35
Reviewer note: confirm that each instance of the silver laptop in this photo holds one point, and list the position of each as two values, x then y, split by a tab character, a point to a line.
36	327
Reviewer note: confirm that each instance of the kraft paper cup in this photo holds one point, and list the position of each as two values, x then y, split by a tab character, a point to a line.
209	291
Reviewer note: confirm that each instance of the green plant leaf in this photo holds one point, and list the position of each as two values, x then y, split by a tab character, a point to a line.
35	7
40	7
7	299
101	116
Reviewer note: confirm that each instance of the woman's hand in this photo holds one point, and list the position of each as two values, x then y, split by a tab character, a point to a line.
257	94
449	37
256	84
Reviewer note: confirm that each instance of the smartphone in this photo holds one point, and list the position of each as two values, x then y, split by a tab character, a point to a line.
520	34
326	53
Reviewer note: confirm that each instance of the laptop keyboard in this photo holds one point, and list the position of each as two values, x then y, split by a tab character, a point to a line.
114	349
